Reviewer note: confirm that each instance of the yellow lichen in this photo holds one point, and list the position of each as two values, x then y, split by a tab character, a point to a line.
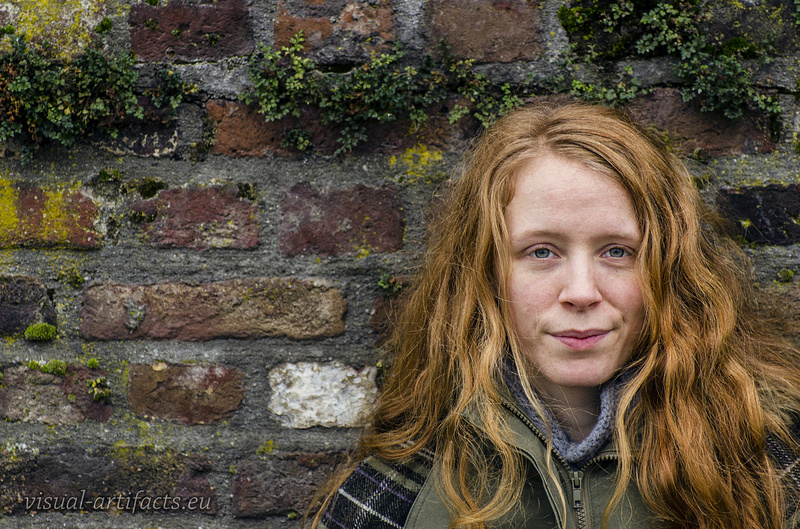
9	221
420	163
66	24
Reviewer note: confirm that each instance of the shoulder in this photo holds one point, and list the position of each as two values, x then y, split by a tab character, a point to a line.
378	495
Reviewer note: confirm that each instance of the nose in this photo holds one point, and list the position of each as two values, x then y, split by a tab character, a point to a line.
580	289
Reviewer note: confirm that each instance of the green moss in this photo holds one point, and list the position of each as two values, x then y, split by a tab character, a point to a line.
104	26
785	275
151	23
98	389
55	367
72	277
247	190
40	332
149	187
93	363
266	448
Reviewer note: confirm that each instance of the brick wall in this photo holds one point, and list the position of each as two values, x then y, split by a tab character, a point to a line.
218	312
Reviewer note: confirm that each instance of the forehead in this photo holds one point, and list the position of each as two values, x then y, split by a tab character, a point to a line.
550	192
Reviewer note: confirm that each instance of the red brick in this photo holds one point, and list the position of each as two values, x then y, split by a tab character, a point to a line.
241	308
335	25
341	221
764	214
282	483
184	31
688	130
487	30
108	480
190	394
199	218
23	302
241	131
30	395
49	217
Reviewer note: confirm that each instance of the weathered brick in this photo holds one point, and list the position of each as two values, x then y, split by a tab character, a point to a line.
385	308
337	30
241	131
190	394
487	30
46	217
763	213
242	308
66	26
199	218
23	302
688	130
780	302
131	479
149	138
282	483
756	22
352	221
188	31
309	394
29	395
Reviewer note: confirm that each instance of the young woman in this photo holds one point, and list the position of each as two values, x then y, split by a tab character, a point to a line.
579	350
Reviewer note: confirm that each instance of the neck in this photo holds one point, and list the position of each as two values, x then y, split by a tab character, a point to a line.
575	409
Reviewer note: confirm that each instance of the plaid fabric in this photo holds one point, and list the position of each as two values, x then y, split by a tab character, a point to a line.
378	495
789	465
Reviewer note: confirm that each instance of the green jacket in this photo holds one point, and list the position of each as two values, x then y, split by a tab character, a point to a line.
586	493
404	495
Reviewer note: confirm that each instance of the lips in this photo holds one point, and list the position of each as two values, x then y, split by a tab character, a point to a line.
580	340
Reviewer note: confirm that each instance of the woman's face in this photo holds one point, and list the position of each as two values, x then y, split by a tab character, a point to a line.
574	296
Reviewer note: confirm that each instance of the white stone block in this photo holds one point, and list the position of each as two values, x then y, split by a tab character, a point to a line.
309	394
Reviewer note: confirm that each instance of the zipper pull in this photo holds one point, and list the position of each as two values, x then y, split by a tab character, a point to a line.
577	481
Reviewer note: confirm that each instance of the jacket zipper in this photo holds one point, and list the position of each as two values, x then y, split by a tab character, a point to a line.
575	476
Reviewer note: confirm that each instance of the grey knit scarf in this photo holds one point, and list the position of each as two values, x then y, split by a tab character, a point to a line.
576	454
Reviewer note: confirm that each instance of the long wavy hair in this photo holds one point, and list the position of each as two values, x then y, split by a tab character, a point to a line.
709	380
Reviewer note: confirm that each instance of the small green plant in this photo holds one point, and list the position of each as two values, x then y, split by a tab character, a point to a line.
93	363
711	70
170	90
40	332
151	23
98	389
42	100
391	286
212	38
625	90
379	91
60	101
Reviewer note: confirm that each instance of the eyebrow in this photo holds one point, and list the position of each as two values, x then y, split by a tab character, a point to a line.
627	236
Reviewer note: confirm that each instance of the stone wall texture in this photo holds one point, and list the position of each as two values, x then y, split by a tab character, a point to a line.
217	300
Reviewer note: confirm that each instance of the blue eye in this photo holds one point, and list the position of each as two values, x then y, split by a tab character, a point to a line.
541	253
617	252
